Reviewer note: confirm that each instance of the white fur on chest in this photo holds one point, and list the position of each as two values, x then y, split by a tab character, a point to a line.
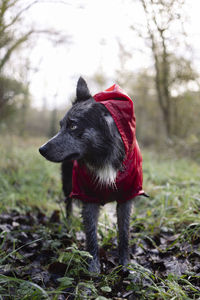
104	176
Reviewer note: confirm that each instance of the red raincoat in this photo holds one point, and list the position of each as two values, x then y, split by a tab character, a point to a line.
129	181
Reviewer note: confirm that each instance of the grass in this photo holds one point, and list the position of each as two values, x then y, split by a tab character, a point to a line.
28	181
173	185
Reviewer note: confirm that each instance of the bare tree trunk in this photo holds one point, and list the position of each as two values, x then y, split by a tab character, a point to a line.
161	63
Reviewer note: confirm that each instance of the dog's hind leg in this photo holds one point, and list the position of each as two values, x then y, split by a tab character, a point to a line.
66	169
68	206
90	214
123	220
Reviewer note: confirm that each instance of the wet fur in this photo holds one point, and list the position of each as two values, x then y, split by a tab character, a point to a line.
89	134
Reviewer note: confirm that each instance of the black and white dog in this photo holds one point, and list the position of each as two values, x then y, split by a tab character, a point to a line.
97	147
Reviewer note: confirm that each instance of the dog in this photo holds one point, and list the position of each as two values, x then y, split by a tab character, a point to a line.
101	161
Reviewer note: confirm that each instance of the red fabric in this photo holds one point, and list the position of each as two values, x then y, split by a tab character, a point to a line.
129	181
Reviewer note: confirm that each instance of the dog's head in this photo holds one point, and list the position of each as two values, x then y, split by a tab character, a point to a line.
85	131
66	144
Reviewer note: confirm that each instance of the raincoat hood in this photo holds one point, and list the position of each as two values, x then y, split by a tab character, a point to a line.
120	106
129	181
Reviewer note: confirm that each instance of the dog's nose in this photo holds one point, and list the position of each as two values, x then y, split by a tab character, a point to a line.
43	150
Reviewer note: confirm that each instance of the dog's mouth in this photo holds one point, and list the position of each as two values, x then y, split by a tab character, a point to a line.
73	156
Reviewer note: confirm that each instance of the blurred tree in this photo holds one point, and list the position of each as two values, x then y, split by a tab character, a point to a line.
10	89
13	34
10	39
53	128
53	123
123	74
165	31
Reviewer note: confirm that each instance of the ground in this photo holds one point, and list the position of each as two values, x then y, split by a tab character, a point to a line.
42	254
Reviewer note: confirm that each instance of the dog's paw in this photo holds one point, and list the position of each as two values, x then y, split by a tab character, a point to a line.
94	266
124	263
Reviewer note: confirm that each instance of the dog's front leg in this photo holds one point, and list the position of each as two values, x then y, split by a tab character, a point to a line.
90	219
123	220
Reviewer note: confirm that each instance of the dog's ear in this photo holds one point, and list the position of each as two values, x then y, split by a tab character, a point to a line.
82	91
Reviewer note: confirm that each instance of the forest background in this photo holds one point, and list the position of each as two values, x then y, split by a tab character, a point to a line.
151	49
154	58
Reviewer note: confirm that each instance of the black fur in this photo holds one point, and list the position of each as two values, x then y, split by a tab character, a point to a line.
89	135
82	91
66	171
90	215
87	132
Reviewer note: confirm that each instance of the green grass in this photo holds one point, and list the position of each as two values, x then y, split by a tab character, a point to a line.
173	186
27	180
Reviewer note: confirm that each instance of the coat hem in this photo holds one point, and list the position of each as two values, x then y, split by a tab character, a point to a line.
86	199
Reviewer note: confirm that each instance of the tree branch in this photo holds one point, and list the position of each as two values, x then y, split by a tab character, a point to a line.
13	47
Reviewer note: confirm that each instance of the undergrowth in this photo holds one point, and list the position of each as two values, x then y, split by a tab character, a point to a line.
165	233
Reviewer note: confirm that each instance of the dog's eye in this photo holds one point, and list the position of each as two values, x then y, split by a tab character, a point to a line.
72	126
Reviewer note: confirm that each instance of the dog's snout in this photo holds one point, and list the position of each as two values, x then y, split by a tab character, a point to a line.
43	150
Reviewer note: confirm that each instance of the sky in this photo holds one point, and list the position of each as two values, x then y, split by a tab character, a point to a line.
93	30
